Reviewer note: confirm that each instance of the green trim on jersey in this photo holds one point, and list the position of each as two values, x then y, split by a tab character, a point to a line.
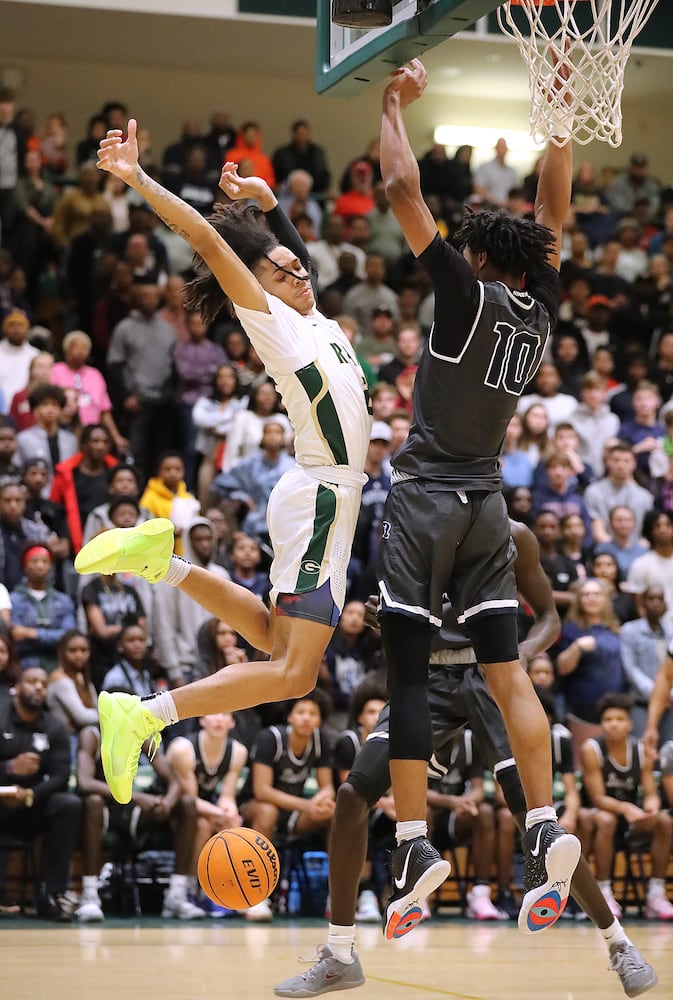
325	416
311	563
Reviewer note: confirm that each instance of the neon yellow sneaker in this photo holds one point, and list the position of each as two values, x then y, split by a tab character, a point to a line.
124	726
144	550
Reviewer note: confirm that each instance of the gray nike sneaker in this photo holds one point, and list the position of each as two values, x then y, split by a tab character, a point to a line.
635	975
326	976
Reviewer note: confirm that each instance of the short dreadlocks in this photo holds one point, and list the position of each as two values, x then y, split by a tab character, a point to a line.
514	246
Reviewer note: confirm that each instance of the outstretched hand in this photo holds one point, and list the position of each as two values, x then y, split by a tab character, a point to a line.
237	188
408	81
119	156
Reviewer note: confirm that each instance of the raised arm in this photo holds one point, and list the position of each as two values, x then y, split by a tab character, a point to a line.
399	167
236	281
554	186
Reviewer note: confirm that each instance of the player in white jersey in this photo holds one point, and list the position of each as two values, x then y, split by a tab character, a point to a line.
312	511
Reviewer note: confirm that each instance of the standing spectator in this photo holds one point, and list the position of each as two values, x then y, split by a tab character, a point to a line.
386	236
297	199
655	568
174	305
371	294
589	661
34	201
617	488
166	495
71	696
17	532
517	469
245	433
88	261
621	544
196	362
593	421
81	481
633	184
221	137
560	406
73	210
74	372
10	464
140	369
87	148
301	153
212	416
644	432
39	373
644	642
358	199
15	354
35	759
195	183
46	439
326	253
9	163
494	180
40	613
248	146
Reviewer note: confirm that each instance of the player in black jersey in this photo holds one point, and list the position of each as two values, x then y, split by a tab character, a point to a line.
619	781
445	527
458	696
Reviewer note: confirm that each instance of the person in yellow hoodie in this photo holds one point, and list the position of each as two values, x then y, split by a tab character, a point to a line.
166	495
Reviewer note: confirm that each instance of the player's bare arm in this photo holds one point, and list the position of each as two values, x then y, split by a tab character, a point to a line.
659	702
238	188
120	158
554	186
533	583
398	163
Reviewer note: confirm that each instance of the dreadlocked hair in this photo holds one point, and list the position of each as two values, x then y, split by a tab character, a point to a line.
243	227
514	246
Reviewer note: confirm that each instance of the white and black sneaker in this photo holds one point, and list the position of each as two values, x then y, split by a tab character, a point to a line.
417	869
552	856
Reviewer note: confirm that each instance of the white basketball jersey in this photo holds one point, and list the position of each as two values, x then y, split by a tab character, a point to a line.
320	380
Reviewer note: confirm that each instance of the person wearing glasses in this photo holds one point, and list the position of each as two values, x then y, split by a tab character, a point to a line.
263	269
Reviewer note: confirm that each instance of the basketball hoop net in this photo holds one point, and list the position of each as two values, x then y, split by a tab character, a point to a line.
598	43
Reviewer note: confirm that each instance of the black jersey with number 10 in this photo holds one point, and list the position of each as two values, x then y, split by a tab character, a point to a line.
486	344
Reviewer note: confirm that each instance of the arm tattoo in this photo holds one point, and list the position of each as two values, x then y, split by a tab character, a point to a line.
150	185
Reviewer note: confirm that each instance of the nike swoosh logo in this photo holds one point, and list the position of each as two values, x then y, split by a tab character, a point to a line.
399	882
536	850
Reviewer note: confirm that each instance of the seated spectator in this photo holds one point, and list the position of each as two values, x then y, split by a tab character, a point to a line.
519	502
644	432
644	642
161	816
108	602
517	469
35	761
540	669
17	532
296	199
593	421
385	233
635	371
40	613
566	440
589	661
166	495
224	530
384	398
71	697
603	363
81	481
281	762
619	782
364	299
39	373
177	618
131	671
353	651
302	153
197	361
574	542
10	671
632	260
535	443
212	416
245	433
123	481
246	559
69	419
326	253
571	358
560	569
606	568
655	568
10	463
207	767
15	353
42	511
621	544
558	496
248	485
559	405
617	488
109	308
93	401
46	439
460	816
195	183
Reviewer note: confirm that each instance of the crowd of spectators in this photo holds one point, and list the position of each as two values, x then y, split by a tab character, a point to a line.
117	404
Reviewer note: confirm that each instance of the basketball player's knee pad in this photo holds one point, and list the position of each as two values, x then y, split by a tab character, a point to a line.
510	782
407	645
494	638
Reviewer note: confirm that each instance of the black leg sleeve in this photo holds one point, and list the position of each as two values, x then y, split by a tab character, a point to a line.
407	646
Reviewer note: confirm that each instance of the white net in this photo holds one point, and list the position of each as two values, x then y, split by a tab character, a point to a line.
598	35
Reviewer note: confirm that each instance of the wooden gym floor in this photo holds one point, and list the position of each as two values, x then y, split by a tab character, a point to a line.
231	960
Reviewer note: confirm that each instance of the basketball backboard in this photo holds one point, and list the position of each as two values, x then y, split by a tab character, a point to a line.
349	60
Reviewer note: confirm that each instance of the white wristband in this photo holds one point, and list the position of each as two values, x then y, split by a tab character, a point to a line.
178	569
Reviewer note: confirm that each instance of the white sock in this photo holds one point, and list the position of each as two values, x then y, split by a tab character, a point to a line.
90	887
410	829
614	934
605	885
340	941
178	569
163	706
541	815
177	885
655	887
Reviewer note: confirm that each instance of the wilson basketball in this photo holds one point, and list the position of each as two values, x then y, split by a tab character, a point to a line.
238	868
